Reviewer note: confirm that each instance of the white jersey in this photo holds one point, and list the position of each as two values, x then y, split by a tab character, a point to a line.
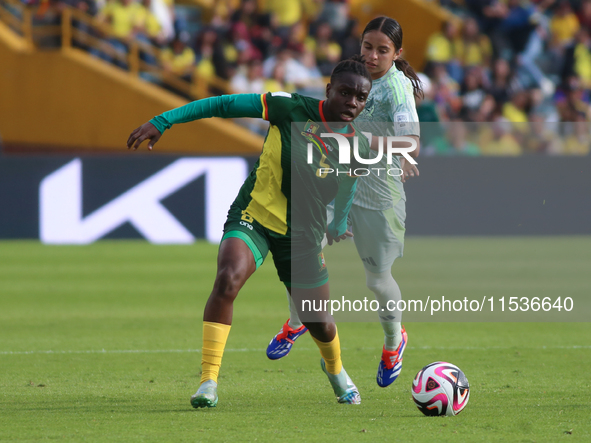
391	105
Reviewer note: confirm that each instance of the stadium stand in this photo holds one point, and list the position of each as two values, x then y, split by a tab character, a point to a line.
515	61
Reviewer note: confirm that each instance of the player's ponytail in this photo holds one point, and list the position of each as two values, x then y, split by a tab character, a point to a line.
392	29
355	65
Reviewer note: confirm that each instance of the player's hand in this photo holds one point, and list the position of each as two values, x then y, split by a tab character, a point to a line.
147	131
331	239
408	169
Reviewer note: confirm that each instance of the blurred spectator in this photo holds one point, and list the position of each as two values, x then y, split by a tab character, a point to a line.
502	84
531	74
573	102
577	63
336	14
326	49
296	73
147	29
210	56
542	106
246	13
488	13
310	75
445	48
456	141
475	48
240	41
497	139
277	82
179	59
564	24
351	43
584	14
519	22
249	79
120	16
446	93
262	36
541	139
296	38
515	110
578	139
146	25
163	11
477	105
284	13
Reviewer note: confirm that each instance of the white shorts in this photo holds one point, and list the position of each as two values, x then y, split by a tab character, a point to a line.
378	235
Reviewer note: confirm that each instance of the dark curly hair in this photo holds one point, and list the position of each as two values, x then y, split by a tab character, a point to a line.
355	65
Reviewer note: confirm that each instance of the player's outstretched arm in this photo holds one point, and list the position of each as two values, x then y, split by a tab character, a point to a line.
147	131
225	106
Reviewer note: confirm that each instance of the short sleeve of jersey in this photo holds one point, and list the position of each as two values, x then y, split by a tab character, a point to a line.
404	111
278	105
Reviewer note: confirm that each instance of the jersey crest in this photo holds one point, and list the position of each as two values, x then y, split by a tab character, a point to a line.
310	134
310	128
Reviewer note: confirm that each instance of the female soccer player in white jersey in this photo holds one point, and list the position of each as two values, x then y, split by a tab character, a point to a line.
378	212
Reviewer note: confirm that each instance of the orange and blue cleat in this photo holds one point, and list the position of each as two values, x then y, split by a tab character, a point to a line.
391	363
281	344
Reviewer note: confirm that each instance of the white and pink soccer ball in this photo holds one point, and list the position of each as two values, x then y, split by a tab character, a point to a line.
441	389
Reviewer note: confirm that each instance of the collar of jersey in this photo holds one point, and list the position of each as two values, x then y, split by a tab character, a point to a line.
390	72
350	134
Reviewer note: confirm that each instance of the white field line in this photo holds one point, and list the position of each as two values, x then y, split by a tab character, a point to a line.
198	351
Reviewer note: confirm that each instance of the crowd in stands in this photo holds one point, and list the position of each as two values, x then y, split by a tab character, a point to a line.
518	64
522	65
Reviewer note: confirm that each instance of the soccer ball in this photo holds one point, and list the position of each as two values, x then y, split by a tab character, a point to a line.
440	389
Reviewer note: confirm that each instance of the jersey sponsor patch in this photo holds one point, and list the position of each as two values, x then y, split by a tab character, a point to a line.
401	119
281	94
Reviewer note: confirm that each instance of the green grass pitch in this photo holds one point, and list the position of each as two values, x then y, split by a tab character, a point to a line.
101	343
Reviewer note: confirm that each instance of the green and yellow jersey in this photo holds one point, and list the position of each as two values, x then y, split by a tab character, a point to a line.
298	173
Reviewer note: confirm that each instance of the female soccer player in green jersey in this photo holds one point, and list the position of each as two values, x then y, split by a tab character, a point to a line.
378	211
260	219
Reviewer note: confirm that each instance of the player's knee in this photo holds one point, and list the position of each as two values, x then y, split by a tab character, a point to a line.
378	283
376	286
319	330
227	283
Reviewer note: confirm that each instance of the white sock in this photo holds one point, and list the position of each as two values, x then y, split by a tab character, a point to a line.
294	318
385	289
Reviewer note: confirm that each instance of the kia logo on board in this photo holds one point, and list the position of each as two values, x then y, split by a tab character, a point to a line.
60	203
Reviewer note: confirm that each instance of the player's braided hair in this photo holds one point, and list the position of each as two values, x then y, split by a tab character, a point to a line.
392	29
355	65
